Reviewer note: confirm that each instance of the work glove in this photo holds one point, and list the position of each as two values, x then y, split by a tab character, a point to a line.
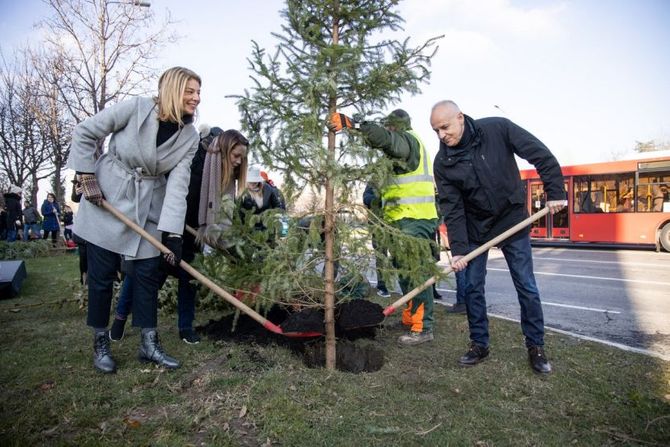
556	205
173	242
339	121
91	190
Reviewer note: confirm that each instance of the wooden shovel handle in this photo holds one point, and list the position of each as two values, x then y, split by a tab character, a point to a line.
193	272
473	254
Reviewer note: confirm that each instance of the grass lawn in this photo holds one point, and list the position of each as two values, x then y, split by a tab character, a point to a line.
230	393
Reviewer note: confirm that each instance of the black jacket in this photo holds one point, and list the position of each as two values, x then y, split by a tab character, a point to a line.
13	204
480	190
189	247
271	200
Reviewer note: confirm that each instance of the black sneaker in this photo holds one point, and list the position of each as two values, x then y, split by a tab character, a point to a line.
475	354
189	336
538	360
117	330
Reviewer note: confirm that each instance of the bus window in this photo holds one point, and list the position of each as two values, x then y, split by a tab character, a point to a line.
652	193
610	193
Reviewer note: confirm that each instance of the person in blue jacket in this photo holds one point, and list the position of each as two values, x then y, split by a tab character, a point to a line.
51	222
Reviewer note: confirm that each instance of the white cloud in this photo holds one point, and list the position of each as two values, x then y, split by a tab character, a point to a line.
487	16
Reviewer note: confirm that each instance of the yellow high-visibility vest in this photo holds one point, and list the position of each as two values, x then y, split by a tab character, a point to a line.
411	195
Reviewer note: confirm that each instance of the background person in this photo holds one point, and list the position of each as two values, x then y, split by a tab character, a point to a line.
68	222
481	195
51	224
31	222
373	202
13	216
260	196
145	175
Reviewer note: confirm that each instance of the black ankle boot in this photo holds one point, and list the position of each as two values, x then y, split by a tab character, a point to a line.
152	351
102	354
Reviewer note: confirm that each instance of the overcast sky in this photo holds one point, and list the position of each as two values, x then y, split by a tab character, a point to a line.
588	77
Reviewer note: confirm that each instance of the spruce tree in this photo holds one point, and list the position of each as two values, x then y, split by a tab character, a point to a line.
331	56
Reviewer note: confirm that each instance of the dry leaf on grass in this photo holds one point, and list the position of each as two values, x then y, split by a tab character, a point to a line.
47	385
243	411
132	423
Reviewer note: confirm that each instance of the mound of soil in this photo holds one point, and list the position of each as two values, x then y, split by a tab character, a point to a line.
307	320
244	328
358	314
351	357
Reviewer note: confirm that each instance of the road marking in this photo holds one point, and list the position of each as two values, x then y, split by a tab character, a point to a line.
601	251
569	306
604	278
597	340
588	338
580	307
639	264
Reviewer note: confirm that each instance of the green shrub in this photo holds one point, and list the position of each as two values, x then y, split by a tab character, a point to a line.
24	250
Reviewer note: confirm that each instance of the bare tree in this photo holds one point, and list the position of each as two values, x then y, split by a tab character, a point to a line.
102	51
24	148
52	114
651	146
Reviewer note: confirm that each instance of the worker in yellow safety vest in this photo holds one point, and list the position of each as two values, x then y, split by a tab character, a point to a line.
408	203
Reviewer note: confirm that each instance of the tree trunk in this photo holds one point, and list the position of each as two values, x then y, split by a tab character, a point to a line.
329	232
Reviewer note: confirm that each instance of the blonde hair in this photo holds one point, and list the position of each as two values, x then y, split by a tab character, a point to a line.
171	88
225	143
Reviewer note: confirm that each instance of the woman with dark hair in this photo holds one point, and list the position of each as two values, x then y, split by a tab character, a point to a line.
144	174
50	223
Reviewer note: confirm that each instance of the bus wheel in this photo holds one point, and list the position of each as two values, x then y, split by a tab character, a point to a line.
665	237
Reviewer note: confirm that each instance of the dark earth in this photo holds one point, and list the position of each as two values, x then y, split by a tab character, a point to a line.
356	329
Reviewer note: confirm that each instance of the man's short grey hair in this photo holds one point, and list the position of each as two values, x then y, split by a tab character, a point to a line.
448	103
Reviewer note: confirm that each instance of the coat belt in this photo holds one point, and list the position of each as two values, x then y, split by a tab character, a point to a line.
138	176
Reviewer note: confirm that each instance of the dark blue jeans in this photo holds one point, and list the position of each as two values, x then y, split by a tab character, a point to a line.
520	262
460	287
102	271
186	292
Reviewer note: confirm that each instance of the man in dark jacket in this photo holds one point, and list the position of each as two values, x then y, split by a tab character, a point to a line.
31	220
481	195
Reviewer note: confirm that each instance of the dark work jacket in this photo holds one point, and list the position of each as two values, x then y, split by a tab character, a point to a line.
480	190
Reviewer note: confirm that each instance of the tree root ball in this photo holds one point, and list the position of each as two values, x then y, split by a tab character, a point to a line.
354	357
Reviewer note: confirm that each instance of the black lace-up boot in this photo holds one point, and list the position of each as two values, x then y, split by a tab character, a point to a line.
475	354
102	354
538	360
152	351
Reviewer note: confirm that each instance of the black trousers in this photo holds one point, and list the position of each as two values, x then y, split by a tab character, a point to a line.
103	266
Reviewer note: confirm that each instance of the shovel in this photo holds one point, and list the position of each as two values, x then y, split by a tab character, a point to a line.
473	254
206	281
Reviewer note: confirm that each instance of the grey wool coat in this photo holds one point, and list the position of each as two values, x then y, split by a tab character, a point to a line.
133	176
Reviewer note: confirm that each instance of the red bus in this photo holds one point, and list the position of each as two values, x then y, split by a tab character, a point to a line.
624	203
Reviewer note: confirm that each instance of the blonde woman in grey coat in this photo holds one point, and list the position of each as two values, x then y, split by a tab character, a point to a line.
145	174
